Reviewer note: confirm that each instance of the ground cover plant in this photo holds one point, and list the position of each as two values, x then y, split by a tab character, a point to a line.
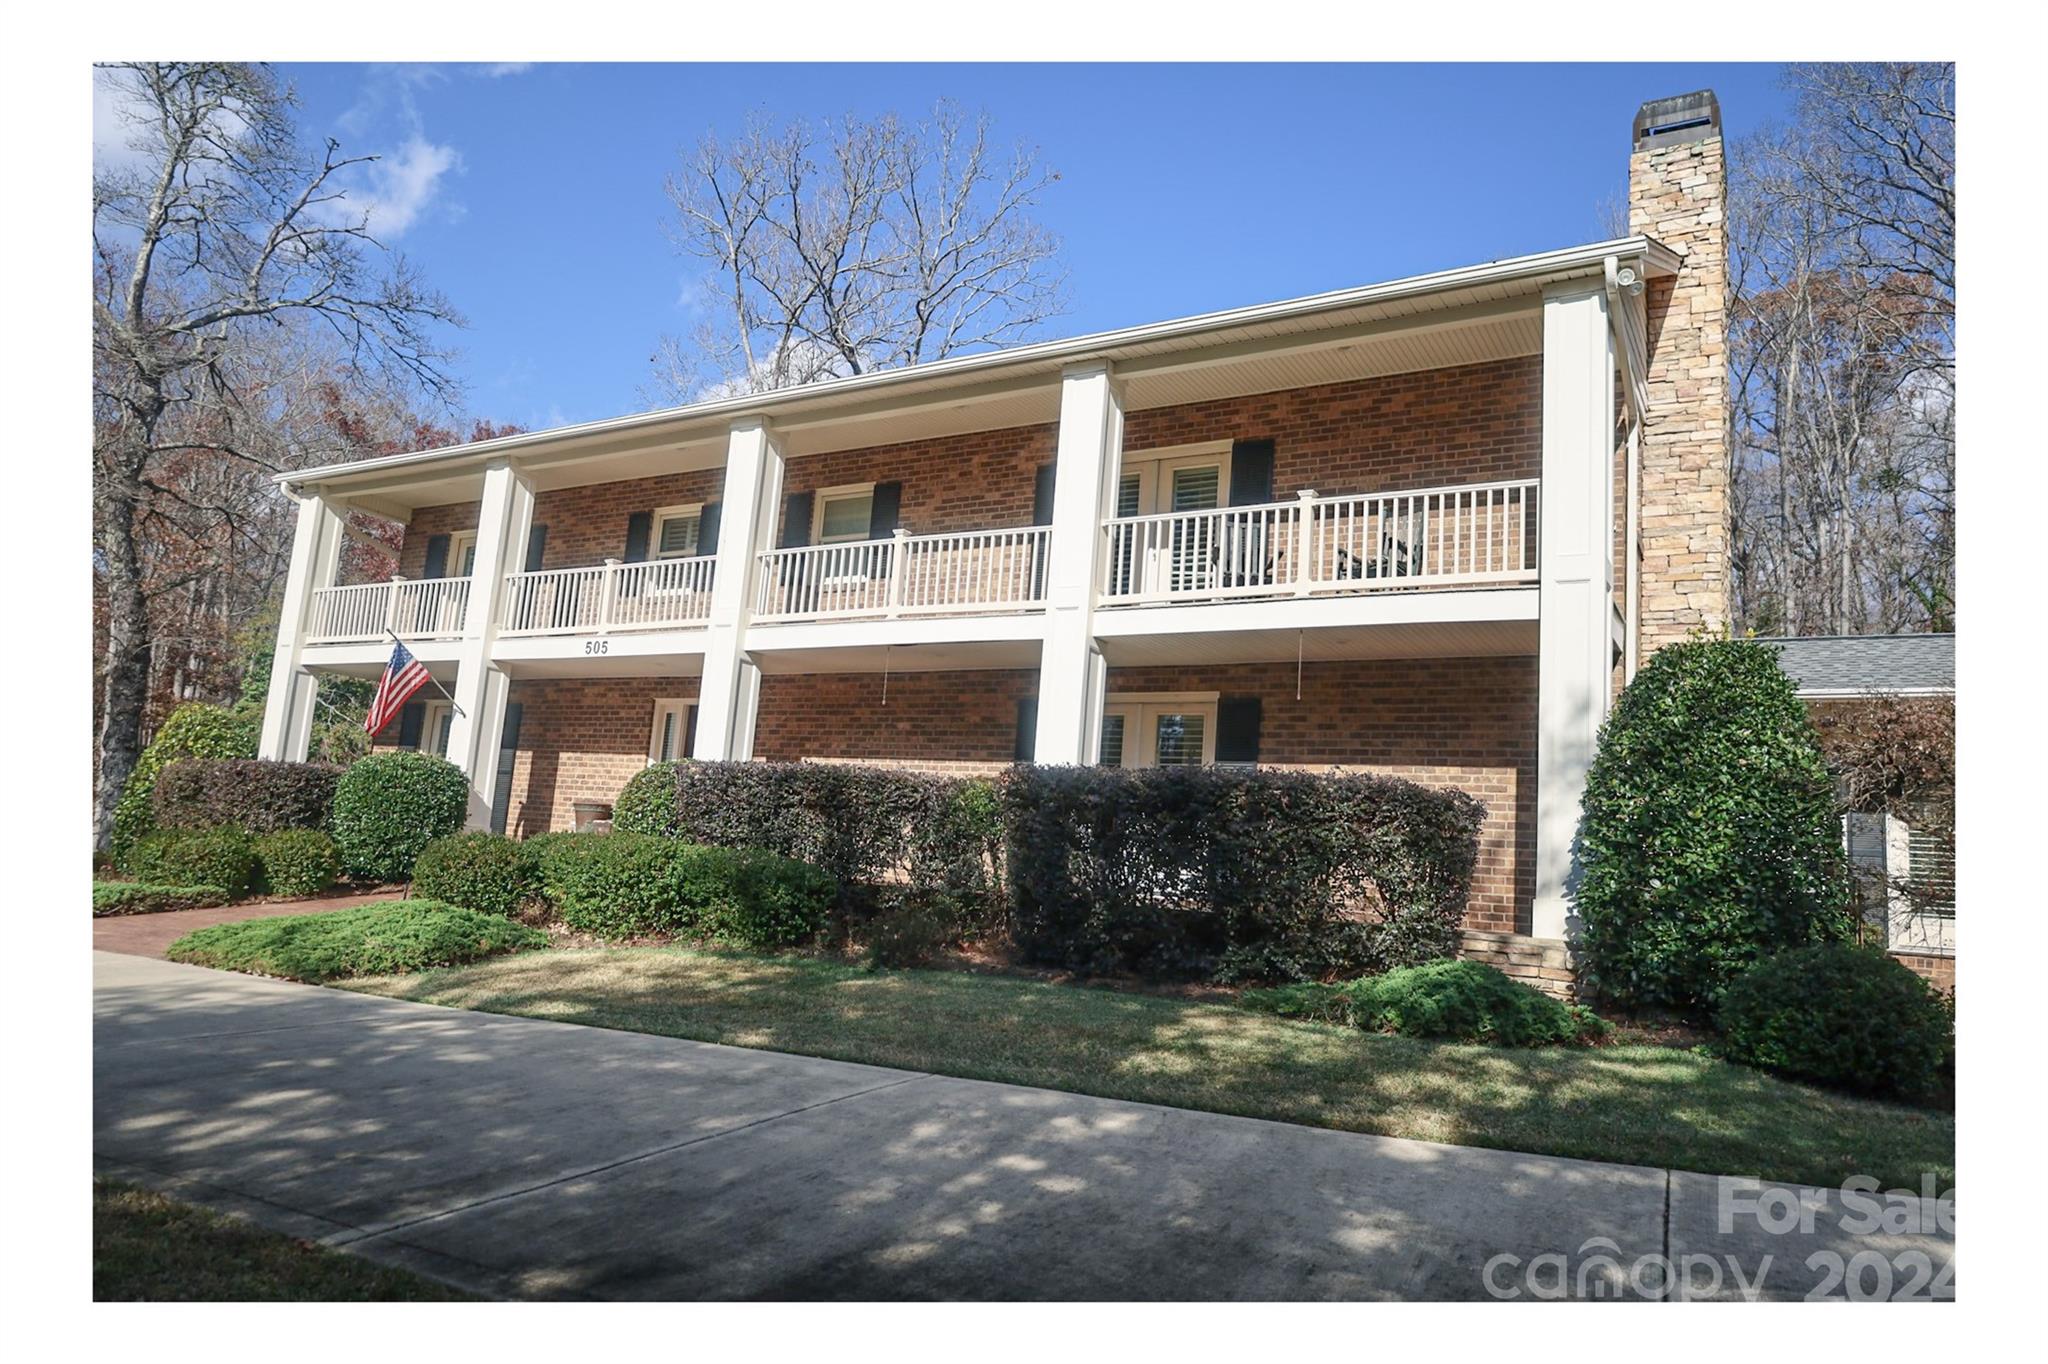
378	939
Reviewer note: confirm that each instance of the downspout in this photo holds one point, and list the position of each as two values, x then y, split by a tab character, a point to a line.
1632	513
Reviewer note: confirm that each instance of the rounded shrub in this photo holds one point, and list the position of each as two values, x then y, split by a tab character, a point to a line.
223	858
389	806
297	862
647	805
194	730
1708	837
1845	1016
1464	1001
765	900
487	872
618	885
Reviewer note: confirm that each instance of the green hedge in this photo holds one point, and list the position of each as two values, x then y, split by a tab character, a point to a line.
262	797
389	806
480	871
624	885
141	897
1845	1016
297	862
225	858
1708	839
1233	874
368	940
1465	1001
866	827
194	730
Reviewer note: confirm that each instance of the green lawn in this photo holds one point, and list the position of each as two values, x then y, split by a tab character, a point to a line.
1642	1105
148	1248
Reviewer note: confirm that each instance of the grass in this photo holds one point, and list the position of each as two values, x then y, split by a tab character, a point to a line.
148	1248
1637	1104
379	939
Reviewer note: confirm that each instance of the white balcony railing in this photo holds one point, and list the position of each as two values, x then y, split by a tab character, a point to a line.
1432	537
657	594
974	571
427	608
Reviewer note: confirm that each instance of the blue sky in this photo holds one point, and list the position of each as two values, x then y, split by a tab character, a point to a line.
533	196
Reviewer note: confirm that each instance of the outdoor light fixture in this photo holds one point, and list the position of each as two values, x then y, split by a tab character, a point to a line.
1627	278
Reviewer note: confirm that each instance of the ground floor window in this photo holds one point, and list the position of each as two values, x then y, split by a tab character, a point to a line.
437	722
1905	879
1146	730
675	731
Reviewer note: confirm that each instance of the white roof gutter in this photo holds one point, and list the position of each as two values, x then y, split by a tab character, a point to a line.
1592	257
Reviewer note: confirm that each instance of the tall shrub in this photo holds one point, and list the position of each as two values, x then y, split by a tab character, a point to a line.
1708	838
389	806
1234	874
262	797
194	730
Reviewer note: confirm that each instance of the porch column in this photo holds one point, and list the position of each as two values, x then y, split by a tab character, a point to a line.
1575	560
480	688
316	557
731	686
1070	667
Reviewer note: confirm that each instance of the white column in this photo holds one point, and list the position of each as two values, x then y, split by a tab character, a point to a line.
316	557
731	686
1070	667
480	690
1575	565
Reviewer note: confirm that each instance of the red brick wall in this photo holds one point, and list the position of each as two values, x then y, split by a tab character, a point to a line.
935	721
1468	723
586	525
1473	424
1940	972
984	480
581	740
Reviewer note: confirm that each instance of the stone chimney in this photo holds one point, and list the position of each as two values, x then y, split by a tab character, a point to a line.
1678	195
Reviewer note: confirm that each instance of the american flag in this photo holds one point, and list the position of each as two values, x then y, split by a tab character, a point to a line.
403	676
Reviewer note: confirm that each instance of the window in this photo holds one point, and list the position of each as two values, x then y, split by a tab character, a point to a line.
1164	729
843	514
676	530
462	554
437	722
1904	878
675	731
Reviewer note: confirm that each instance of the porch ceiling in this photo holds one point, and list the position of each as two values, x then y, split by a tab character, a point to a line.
1444	639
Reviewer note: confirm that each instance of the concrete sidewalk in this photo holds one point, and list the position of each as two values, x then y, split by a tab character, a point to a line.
521	1158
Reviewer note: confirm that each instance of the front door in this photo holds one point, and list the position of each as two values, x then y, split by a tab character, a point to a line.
1170	733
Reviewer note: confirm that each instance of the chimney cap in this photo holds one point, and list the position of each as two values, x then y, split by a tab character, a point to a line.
1681	118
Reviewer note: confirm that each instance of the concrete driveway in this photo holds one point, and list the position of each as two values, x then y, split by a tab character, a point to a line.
519	1158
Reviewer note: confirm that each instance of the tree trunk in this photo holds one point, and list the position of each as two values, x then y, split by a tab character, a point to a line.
126	691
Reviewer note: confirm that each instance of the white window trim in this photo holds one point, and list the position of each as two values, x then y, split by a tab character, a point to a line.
1154	468
662	514
1141	711
458	541
431	716
680	708
820	496
1908	928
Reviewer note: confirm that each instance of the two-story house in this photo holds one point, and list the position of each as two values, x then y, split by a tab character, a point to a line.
1426	527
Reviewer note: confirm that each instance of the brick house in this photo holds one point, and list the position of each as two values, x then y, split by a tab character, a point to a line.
1904	863
1427	527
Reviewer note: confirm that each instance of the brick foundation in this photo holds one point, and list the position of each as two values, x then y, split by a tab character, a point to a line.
1545	963
1940	972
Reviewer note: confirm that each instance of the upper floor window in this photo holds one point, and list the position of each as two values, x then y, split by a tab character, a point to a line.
462	553
843	514
676	530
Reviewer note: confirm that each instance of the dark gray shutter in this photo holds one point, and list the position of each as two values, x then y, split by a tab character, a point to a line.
883	512
1237	729
1041	496
1027	728
536	548
639	530
412	718
1251	473
689	731
508	754
707	528
437	557
796	521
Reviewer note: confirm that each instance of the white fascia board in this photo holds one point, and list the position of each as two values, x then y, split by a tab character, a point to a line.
1461	606
1657	259
634	644
1867	693
908	630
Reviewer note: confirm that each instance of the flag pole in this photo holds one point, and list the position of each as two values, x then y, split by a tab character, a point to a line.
430	677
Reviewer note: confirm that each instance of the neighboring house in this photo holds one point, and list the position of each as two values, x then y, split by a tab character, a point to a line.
1426	528
1889	851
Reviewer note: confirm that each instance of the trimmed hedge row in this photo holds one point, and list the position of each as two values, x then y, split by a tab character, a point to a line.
141	897
194	730
290	862
1234	875
481	871
262	797
866	827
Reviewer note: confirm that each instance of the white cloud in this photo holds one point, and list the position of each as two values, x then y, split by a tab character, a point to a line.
496	69
399	186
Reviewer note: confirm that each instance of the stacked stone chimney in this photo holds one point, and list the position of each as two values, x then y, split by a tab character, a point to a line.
1678	192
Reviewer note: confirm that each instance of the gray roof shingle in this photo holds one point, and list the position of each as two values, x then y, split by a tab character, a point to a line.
1861	664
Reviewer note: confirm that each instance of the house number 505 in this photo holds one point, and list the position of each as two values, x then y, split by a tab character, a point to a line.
597	646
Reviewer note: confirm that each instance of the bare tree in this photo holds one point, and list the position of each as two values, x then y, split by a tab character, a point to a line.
1842	328
217	236
869	246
